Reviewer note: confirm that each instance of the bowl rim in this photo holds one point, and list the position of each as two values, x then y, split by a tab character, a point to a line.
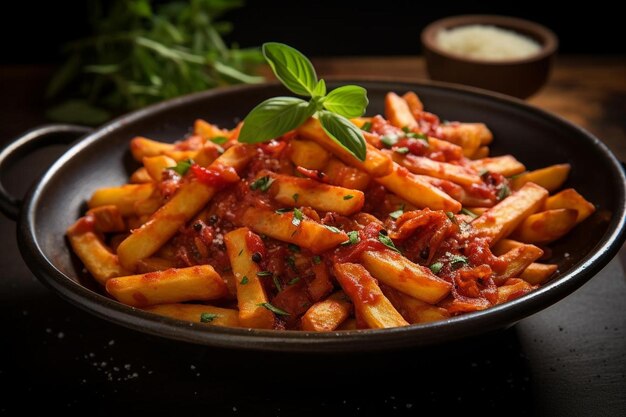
549	41
302	341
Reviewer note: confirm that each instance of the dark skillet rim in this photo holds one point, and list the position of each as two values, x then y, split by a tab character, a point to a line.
344	341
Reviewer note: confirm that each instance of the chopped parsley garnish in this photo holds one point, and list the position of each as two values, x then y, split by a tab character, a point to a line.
283	210
277	283
295	197
244	280
353	237
316	260
220	140
469	213
406	129
294	281
273	309
419	136
293	248
402	151
208	317
297	217
503	192
182	167
386	240
264	274
291	261
458	261
451	217
436	267
395	214
367	126
348	197
332	228
389	140
262	184
483	172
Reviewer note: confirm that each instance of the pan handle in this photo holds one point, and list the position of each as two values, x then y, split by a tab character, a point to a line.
33	139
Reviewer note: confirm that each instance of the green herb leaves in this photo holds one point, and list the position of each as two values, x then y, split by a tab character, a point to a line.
273	309
139	52
343	132
182	167
386	240
347	101
276	116
292	68
263	183
208	317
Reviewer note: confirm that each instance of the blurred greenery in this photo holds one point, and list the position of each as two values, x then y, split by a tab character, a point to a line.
144	51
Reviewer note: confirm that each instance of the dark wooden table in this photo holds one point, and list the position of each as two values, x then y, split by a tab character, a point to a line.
567	360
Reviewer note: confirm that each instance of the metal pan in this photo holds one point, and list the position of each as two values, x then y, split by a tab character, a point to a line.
101	158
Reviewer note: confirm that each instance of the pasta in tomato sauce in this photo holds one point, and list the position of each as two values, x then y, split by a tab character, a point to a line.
296	233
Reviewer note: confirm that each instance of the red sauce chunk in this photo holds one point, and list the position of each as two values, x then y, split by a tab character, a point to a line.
217	175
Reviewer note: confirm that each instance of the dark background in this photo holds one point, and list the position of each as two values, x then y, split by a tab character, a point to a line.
34	33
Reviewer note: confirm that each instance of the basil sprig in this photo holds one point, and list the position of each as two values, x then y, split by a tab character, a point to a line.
278	115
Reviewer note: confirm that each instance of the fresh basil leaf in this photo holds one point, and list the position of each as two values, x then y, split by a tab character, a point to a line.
320	89
348	197
344	132
274	117
347	101
386	240
291	67
273	309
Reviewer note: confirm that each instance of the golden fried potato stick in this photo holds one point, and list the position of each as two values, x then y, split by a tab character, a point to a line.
551	178
546	226
376	163
298	192
500	220
368	299
198	313
506	165
398	272
307	234
327	315
195	283
101	263
186	203
250	292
